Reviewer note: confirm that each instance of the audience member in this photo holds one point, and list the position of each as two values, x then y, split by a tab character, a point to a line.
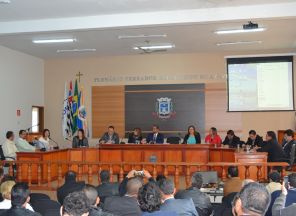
76	204
8	147
155	137
20	197
160	177
126	205
247	181
253	199
213	137
180	206
274	182
201	200
22	144
1	175
106	188
69	186
92	195
271	146
192	136
233	183
5	189
149	198
254	139
231	140
288	143
110	137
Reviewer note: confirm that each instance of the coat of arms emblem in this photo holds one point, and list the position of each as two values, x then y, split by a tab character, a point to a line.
164	108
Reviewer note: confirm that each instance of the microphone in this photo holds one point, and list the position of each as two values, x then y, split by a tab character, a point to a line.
28	129
68	139
55	143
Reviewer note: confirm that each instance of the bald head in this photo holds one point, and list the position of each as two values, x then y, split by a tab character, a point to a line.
133	186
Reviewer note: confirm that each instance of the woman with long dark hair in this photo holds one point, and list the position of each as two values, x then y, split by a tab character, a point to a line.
192	136
80	140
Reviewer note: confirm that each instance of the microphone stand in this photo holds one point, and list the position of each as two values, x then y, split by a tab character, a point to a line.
58	146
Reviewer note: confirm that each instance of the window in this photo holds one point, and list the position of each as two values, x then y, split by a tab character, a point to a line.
37	119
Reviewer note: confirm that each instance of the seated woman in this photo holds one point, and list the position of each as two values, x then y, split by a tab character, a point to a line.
213	137
80	140
149	198
5	189
44	141
192	136
135	136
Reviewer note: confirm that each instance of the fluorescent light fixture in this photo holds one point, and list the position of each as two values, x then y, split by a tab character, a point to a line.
142	36
238	42
235	31
57	40
75	50
154	47
5	1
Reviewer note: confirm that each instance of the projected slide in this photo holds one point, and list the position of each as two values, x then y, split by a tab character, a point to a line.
260	84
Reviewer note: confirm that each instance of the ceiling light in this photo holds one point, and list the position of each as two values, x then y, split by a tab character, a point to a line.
5	1
235	31
154	47
60	40
141	36
238	42
76	50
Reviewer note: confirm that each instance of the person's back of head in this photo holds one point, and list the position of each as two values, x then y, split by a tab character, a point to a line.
104	176
149	197
274	176
292	180
92	194
9	135
20	195
253	199
247	181
160	177
167	187
196	180
5	189
233	171
133	186
70	176
76	204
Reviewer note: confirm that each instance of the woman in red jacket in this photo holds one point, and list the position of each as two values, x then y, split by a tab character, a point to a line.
213	137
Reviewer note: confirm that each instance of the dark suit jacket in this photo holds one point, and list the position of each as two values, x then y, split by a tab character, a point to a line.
258	141
274	150
159	138
94	211
107	189
197	138
287	147
114	138
232	143
133	139
76	143
183	207
159	213
122	206
19	212
68	188
201	201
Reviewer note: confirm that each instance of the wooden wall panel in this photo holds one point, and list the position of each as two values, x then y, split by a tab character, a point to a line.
108	108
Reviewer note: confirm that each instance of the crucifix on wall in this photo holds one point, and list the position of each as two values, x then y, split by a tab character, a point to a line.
79	75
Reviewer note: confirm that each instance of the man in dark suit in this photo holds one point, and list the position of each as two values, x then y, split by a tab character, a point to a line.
182	207
254	139
155	137
69	186
20	196
231	140
106	188
126	205
201	200
288	142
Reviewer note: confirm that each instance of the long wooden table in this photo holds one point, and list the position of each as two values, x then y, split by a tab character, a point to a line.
110	153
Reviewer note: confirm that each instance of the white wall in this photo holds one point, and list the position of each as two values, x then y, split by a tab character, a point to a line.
21	87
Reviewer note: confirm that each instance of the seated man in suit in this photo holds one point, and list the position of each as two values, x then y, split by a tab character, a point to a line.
288	142
155	137
231	140
20	197
76	203
233	183
254	139
201	200
180	206
69	186
126	205
253	199
106	188
110	137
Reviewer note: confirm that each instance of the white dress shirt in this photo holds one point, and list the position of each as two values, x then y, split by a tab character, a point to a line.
9	149
6	204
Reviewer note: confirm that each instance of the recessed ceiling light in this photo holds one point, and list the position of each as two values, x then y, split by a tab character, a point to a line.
141	36
5	1
154	47
238	42
57	40
76	50
235	31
